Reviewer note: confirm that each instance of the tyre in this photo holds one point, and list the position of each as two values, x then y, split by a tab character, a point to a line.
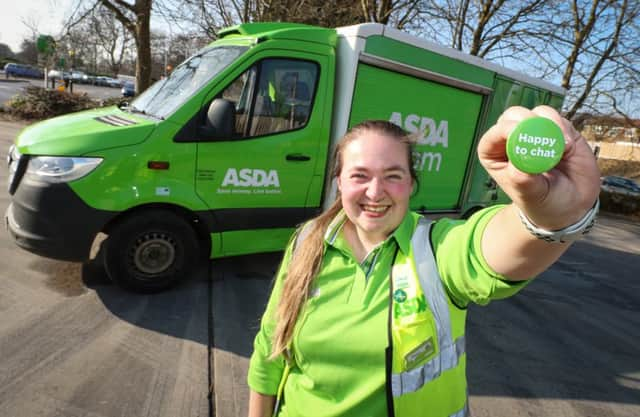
150	251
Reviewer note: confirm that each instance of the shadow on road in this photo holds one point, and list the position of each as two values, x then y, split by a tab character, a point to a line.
181	312
240	293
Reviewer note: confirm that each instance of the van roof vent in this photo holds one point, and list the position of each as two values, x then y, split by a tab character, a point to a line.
114	120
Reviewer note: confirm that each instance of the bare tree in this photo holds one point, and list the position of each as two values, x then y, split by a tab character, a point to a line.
396	13
482	27
602	55
135	17
112	37
5	51
589	47
28	50
213	15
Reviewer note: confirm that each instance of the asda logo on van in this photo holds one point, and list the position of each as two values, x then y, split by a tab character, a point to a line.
245	179
429	132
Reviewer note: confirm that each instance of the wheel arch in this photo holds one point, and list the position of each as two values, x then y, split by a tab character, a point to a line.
198	221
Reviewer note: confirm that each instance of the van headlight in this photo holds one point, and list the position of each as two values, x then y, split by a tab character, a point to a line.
58	169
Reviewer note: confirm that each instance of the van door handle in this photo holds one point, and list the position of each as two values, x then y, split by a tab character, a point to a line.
298	157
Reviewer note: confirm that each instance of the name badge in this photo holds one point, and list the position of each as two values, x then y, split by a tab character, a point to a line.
420	354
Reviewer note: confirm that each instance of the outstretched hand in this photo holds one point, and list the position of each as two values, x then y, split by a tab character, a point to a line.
554	199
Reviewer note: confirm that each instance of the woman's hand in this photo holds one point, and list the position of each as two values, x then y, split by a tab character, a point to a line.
554	199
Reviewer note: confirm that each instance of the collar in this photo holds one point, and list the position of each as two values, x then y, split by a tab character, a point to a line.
402	235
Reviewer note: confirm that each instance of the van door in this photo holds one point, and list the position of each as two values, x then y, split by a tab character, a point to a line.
261	176
441	113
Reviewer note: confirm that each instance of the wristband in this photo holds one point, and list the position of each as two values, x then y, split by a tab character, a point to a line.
568	234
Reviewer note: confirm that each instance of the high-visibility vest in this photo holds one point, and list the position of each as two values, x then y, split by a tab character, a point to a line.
425	360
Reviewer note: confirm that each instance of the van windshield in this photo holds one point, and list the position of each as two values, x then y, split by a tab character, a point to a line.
167	95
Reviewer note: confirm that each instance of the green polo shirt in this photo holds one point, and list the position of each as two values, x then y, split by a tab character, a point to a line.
340	338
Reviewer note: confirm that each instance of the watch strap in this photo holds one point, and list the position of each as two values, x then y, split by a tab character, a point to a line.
568	234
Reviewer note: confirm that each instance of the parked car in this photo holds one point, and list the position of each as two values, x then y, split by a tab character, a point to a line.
101	80
21	70
620	185
57	74
77	76
114	82
88	79
128	89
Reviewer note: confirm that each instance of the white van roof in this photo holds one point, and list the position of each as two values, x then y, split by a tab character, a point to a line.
366	30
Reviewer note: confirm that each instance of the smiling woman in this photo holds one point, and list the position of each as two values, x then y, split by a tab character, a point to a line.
375	182
367	315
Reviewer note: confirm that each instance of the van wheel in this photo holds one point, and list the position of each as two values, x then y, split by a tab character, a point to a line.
150	251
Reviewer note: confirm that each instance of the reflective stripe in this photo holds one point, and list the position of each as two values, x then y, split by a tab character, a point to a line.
462	413
432	287
413	380
449	351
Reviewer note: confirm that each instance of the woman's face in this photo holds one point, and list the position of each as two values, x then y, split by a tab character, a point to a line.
375	184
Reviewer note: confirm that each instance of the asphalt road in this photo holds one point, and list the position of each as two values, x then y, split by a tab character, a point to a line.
72	344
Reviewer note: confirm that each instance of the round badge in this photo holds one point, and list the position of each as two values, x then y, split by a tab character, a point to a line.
536	145
400	296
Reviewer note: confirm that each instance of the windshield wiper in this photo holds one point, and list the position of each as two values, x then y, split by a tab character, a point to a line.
134	109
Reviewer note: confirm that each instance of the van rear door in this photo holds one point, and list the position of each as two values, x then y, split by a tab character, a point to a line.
442	112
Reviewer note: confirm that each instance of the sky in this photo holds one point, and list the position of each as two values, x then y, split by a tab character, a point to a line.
46	15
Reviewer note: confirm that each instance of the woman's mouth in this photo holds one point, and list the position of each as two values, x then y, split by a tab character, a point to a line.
374	209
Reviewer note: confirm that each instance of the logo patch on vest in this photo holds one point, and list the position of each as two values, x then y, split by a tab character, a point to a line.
419	354
411	306
399	296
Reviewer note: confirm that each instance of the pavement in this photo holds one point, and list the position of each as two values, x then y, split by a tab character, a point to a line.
72	344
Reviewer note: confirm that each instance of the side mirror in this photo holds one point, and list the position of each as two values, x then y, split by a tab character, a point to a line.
220	122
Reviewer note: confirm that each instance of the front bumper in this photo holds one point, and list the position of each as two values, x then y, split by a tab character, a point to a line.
51	220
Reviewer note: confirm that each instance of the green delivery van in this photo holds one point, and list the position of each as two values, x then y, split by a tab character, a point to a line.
231	151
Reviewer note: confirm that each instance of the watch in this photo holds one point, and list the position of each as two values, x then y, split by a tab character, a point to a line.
568	234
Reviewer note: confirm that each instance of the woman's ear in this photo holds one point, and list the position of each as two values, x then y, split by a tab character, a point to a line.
414	187
338	183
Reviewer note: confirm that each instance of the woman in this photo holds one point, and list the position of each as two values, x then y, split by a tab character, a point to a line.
367	314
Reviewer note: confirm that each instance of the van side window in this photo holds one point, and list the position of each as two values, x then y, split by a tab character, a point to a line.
274	95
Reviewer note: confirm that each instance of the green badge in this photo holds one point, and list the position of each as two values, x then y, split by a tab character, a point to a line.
536	145
400	296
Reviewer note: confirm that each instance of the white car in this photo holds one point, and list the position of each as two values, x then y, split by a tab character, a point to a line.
77	76
57	74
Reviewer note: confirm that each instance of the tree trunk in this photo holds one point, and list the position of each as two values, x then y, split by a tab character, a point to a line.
139	26
143	45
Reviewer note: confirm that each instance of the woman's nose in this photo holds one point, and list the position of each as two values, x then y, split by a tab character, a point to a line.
375	190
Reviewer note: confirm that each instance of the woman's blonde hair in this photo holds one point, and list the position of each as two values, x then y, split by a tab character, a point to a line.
309	249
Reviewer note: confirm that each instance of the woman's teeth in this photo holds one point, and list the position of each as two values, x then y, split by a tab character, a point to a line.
375	209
